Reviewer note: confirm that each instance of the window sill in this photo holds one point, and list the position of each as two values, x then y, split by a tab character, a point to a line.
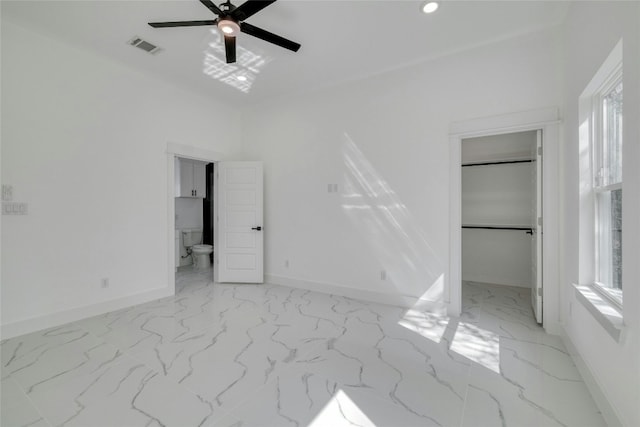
604	311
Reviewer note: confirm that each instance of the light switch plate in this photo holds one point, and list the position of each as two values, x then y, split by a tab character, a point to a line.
7	192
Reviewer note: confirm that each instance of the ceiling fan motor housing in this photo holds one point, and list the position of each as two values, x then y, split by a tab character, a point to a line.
227	7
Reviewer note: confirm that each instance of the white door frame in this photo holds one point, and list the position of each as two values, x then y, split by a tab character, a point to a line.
187	152
546	119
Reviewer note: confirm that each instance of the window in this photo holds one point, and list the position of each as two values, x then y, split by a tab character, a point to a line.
601	115
607	186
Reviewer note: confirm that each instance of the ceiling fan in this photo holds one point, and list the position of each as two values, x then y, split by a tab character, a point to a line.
230	23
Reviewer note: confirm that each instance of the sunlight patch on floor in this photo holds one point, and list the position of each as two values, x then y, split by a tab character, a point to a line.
478	345
341	411
431	326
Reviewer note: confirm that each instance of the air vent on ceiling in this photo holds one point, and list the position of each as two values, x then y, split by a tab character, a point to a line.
144	45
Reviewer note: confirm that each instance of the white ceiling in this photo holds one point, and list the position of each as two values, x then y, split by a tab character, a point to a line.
341	40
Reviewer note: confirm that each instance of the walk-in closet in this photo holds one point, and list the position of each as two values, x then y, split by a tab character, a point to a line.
501	205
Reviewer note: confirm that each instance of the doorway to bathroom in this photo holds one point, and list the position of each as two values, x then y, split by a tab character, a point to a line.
234	207
194	214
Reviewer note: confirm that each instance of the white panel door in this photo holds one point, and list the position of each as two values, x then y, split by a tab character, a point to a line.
536	235
240	235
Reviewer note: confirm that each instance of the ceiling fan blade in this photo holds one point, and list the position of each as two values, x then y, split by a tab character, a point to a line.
182	23
249	8
270	37
230	49
212	7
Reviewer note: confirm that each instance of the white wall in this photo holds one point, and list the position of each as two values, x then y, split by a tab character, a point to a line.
188	213
591	31
84	143
384	140
508	146
500	257
497	195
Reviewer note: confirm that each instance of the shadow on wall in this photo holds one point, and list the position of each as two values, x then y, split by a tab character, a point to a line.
413	267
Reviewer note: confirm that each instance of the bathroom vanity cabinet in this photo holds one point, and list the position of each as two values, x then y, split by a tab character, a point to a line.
190	178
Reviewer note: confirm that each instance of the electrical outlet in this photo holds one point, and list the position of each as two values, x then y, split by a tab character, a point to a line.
286	263
383	275
104	283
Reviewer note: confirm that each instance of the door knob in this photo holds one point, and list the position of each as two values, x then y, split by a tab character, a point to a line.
258	228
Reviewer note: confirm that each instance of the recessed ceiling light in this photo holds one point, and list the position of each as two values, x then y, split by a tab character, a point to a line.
430	7
241	78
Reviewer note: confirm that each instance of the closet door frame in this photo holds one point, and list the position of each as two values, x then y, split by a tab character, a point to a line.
547	120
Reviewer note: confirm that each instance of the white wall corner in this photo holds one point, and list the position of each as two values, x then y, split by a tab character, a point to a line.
604	404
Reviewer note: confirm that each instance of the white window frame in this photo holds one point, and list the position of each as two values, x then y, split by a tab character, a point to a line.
592	172
599	171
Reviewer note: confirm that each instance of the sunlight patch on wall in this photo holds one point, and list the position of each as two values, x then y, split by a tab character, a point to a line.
240	75
478	345
340	409
412	266
584	132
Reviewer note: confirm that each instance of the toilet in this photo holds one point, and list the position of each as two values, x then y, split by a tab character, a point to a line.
201	257
192	241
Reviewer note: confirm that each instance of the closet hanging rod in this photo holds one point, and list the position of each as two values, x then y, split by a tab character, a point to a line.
497	163
499	227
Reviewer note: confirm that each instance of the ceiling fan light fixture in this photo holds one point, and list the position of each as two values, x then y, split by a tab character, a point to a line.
429	7
229	27
230	22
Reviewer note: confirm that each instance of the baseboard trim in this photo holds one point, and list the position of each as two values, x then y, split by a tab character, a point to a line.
608	411
34	324
493	281
405	301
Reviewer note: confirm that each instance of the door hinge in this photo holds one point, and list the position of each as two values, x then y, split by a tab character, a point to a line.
540	151
540	292
540	221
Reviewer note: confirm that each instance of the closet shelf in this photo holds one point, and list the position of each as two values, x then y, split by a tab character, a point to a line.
499	227
503	162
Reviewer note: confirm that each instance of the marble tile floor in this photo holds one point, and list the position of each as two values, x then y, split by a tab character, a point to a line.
267	355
